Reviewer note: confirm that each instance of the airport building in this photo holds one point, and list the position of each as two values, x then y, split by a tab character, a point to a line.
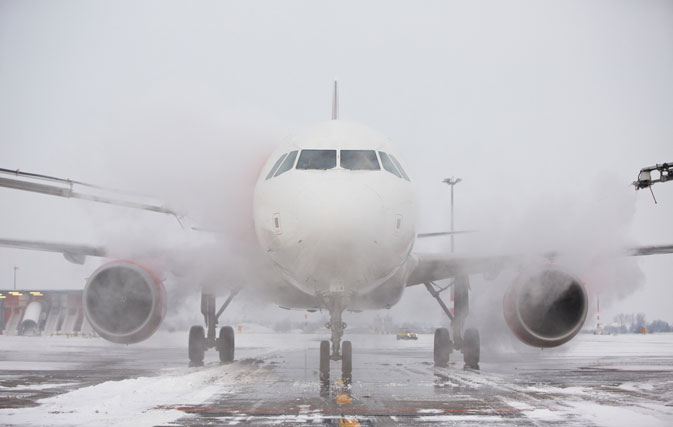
43	313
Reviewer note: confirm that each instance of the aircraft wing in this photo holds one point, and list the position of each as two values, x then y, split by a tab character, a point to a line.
443	233
431	267
650	250
72	252
186	262
60	187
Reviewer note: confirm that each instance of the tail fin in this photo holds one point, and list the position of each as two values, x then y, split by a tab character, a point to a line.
335	103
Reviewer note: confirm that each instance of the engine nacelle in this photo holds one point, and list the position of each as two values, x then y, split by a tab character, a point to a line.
124	302
546	308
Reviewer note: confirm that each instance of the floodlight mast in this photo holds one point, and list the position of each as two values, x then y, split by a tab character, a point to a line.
452	181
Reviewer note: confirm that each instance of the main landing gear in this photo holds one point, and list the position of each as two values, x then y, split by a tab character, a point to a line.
340	351
466	341
199	341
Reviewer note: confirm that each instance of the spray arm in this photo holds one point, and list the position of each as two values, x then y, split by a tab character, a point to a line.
645	179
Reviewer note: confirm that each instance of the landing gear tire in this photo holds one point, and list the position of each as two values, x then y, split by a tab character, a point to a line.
226	344
443	347
197	345
346	359
471	348
324	360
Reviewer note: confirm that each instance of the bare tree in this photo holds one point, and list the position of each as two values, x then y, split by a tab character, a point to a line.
621	320
638	323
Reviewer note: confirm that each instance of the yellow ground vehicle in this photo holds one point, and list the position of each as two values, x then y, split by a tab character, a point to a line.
407	335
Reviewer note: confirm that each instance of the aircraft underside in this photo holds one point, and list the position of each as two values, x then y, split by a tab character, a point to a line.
545	307
291	297
336	304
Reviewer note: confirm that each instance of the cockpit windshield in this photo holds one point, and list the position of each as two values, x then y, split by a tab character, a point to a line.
399	168
275	166
359	160
356	160
317	159
388	164
287	164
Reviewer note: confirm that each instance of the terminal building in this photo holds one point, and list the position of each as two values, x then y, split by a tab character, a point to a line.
50	312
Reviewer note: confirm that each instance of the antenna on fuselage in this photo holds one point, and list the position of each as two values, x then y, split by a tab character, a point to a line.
335	103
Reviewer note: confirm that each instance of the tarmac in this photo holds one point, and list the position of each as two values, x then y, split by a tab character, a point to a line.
595	380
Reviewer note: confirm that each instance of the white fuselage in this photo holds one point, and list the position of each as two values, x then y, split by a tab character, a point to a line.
332	229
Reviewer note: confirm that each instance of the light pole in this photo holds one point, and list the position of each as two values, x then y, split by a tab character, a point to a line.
15	268
452	182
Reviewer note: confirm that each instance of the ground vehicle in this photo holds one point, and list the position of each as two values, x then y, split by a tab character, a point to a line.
406	335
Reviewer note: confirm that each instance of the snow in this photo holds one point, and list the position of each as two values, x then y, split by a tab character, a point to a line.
150	400
542	414
35	366
617	416
37	386
128	402
638	368
254	328
557	390
142	401
451	419
430	411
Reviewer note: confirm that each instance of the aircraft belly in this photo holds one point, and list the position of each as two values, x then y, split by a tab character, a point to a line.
286	295
385	295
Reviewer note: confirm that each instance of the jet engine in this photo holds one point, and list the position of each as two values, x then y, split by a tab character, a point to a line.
546	308
124	302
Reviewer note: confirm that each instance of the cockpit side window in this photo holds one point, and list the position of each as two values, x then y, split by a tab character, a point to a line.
359	160
317	159
275	166
287	164
399	167
388	164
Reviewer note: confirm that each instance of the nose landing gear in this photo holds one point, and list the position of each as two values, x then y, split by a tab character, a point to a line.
340	351
346	358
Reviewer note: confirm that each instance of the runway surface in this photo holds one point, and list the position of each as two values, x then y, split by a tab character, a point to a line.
596	380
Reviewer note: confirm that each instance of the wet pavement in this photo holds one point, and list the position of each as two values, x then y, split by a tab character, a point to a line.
599	380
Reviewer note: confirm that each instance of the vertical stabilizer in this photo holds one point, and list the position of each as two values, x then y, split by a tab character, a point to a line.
335	102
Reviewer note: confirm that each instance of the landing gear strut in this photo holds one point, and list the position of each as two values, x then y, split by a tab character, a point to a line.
466	341
199	341
343	352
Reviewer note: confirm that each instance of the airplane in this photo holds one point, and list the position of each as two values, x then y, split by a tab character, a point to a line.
335	214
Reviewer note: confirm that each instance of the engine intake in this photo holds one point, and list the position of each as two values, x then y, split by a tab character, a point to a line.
546	308
124	302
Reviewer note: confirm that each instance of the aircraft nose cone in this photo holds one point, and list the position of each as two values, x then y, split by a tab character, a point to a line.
342	226
341	212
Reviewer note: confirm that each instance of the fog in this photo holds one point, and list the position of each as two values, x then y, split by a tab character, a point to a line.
546	111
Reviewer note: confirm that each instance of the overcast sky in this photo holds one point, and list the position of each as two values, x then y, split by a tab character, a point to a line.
546	110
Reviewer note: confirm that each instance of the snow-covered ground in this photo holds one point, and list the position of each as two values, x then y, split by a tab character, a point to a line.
596	380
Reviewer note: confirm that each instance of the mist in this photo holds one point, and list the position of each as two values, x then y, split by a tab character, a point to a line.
546	111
